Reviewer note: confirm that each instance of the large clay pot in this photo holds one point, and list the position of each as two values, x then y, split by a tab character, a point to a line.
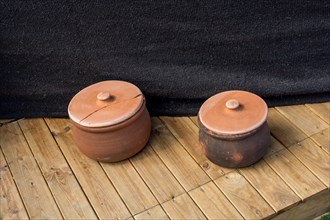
233	128
110	120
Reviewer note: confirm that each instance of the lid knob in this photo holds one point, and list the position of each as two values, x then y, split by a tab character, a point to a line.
102	96
232	104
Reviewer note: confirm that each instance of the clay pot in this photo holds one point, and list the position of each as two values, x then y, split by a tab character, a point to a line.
233	128
110	121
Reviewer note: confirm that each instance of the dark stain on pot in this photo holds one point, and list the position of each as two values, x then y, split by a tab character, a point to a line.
237	157
233	128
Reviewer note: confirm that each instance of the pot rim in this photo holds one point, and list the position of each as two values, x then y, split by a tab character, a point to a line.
117	126
229	137
105	103
233	107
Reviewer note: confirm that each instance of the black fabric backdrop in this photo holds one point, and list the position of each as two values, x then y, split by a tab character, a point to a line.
178	52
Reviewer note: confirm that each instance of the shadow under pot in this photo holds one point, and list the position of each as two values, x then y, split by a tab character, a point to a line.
233	128
110	121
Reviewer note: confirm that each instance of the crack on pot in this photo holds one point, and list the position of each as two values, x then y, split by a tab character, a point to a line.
110	104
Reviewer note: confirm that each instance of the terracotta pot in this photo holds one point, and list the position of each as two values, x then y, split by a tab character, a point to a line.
110	121
233	128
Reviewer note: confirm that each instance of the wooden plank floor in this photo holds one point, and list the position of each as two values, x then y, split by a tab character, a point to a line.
44	176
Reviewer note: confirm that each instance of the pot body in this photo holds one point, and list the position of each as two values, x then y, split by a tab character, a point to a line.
117	142
235	151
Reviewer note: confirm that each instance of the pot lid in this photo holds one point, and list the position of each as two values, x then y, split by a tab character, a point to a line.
105	103
233	112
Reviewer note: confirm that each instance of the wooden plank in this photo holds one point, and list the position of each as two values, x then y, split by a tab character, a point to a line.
179	162
130	186
103	197
304	118
149	170
5	121
295	174
156	175
275	146
182	207
266	182
323	139
314	206
154	213
283	129
213	203
11	204
314	158
322	110
29	180
194	119
243	196
321	217
66	190
186	132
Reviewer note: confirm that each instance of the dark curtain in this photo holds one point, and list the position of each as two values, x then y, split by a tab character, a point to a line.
178	53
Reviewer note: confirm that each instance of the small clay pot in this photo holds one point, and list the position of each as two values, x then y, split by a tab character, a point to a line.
110	121
233	128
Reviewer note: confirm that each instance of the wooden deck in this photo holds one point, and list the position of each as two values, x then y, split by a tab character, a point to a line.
44	176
